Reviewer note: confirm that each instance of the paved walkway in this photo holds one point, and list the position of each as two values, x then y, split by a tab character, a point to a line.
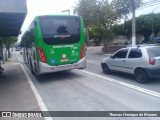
15	91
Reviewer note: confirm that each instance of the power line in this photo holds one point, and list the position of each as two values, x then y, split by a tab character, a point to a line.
150	5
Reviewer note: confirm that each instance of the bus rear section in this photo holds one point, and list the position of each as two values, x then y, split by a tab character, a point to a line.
61	45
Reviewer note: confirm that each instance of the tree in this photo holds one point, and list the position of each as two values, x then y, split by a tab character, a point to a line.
86	8
95	32
123	7
144	26
106	17
118	29
128	29
8	42
156	23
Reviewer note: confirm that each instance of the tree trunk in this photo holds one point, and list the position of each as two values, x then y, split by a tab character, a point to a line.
1	51
146	38
105	44
9	53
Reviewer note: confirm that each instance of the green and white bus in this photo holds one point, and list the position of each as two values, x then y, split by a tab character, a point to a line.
54	43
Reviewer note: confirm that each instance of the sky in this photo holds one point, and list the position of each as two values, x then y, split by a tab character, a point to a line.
45	7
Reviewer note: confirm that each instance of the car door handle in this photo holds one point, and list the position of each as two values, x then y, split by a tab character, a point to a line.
123	60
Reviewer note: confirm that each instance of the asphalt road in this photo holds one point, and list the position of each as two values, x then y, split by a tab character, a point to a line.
94	58
77	90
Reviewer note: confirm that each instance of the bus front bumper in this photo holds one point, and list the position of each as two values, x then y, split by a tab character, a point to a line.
45	68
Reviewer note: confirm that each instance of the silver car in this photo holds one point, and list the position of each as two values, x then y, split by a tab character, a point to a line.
141	61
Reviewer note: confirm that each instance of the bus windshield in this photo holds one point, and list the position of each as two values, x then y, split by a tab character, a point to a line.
60	30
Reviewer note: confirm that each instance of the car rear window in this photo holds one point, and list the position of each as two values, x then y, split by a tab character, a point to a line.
153	51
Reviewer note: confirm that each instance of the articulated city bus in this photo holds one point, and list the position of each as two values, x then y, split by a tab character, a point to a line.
54	43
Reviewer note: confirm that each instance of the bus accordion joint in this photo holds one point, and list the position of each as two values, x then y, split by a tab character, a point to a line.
41	55
82	51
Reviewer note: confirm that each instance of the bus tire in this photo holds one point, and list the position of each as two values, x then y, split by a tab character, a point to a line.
36	70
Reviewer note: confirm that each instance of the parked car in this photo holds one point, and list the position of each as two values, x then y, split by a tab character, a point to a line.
157	39
141	61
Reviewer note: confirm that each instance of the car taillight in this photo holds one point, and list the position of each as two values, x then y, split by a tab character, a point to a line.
42	55
152	61
82	51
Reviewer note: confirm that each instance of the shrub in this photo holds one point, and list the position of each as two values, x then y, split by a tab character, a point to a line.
126	43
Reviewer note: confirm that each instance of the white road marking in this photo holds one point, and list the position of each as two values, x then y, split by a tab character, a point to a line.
155	94
12	59
108	54
91	61
15	63
37	95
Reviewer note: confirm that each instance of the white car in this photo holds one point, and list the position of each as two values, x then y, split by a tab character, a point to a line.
141	61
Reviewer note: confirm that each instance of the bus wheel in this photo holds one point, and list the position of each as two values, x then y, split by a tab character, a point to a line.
36	70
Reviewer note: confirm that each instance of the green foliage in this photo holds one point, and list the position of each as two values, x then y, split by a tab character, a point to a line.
100	17
126	43
118	29
156	23
26	39
128	29
8	42
143	26
95	31
86	9
124	7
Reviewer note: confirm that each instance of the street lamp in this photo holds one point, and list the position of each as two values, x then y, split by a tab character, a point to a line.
66	11
152	21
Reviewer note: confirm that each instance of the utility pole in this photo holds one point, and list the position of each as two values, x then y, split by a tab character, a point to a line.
152	21
133	25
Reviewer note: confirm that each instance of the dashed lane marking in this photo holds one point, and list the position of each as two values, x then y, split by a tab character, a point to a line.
143	90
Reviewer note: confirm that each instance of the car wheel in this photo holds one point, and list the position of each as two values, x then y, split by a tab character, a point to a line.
141	76
105	69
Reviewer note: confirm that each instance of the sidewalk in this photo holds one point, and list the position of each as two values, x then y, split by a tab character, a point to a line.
15	91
